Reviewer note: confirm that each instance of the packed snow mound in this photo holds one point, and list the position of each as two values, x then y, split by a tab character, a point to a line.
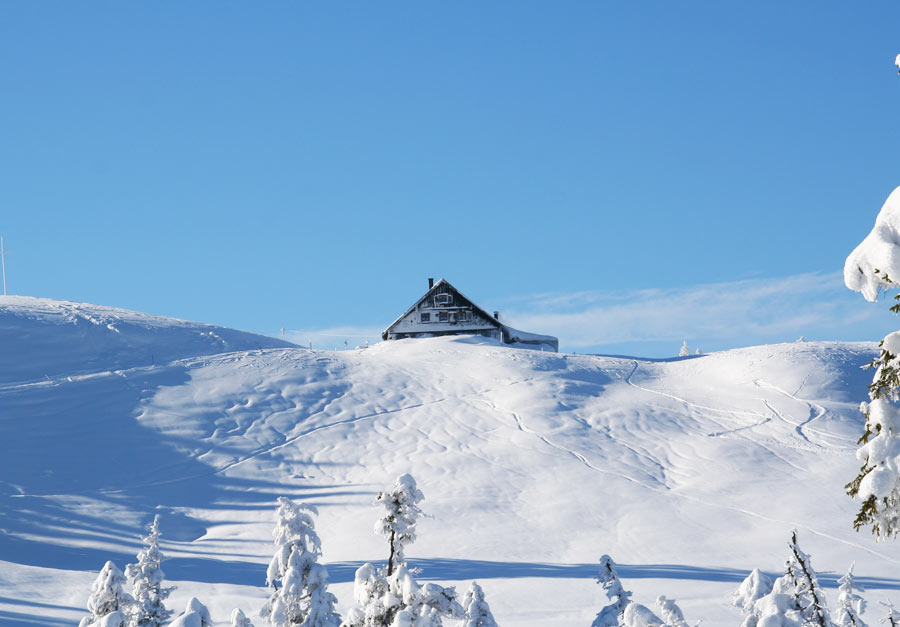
875	263
690	472
44	338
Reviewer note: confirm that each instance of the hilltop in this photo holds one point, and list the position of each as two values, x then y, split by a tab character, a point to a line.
689	471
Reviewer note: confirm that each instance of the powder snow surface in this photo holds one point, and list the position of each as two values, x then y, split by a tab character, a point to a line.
690	472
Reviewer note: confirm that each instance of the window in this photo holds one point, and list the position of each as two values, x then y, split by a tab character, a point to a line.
443	316
441	299
426	317
463	316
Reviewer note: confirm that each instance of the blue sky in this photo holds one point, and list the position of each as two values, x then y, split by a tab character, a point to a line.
577	165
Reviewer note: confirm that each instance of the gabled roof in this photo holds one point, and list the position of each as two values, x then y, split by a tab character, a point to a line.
439	283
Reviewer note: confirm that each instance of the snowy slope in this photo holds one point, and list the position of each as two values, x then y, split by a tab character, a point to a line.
689	472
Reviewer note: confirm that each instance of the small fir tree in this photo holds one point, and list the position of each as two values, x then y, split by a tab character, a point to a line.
398	524
146	583
108	603
685	351
478	612
808	596
893	616
850	603
299	583
611	615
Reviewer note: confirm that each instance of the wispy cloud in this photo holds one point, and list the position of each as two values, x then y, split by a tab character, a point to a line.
733	313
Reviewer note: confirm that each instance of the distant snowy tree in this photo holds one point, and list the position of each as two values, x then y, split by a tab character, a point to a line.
478	613
671	613
398	524
685	351
108	603
195	615
698	351
850	603
611	615
146	583
239	619
300	584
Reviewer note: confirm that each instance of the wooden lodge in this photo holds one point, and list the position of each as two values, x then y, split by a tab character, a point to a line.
443	310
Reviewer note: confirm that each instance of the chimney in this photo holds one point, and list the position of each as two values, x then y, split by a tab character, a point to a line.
496	315
430	282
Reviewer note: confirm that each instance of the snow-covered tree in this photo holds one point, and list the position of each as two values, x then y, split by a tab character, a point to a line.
109	603
478	613
850	603
195	615
146	583
239	619
611	615
671	613
299	583
873	267
685	351
401	511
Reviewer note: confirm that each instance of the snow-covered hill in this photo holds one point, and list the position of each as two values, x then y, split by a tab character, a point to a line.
689	472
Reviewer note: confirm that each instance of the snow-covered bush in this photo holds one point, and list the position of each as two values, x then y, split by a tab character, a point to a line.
397	600
392	597
611	615
671	613
893	616
239	619
637	615
109	603
478	612
195	615
874	266
754	587
796	600
401	511
850	603
299	583
146	577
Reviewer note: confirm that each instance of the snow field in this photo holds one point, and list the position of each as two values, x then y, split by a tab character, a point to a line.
689	472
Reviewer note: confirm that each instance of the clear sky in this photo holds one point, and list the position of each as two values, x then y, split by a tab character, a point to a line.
623	174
